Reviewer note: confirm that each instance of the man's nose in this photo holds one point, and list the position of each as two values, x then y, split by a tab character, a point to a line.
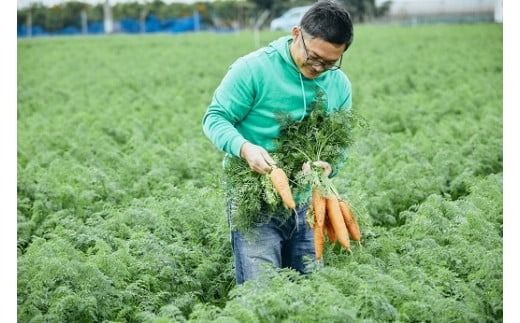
319	68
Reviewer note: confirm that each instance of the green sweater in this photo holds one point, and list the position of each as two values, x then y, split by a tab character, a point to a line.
260	85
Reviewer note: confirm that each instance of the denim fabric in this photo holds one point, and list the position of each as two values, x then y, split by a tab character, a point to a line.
277	243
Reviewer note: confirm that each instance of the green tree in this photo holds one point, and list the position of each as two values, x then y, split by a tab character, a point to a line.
95	13
127	10
71	13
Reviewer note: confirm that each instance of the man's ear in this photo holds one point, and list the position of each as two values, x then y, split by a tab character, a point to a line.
295	32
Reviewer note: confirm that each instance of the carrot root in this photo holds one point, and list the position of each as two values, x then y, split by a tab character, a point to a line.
281	184
350	221
336	219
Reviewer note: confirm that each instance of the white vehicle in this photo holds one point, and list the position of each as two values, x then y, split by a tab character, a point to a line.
289	19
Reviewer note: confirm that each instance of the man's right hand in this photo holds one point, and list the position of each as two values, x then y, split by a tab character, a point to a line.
257	157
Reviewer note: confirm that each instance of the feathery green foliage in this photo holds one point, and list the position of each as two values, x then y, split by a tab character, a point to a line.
321	135
121	211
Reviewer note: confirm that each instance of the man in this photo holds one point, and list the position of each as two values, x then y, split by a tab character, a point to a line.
241	120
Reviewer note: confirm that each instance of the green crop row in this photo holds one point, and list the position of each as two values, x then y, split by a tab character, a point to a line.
121	209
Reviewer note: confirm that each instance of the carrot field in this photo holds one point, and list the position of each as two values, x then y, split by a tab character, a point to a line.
121	211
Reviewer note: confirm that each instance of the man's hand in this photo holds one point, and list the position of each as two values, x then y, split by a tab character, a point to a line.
257	157
327	169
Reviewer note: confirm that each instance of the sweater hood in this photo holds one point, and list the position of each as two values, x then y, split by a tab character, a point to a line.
281	45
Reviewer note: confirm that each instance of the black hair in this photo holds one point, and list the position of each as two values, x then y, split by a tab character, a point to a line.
329	21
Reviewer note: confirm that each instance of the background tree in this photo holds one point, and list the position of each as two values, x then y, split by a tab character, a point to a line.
241	14
95	13
127	10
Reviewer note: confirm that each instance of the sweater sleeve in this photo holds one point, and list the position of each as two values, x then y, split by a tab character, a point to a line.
231	102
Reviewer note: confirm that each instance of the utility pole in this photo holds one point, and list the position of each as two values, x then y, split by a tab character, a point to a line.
107	18
196	20
29	24
84	28
142	20
498	11
258	24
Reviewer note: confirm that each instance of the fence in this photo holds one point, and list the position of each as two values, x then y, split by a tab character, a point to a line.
128	26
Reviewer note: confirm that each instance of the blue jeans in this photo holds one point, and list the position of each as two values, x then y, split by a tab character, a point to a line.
279	243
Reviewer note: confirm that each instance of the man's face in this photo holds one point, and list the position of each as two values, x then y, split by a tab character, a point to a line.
313	56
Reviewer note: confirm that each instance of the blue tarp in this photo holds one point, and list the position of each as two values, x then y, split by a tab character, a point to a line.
96	27
152	24
132	26
184	24
68	31
35	31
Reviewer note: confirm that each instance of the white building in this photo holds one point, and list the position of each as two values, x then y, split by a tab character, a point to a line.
421	8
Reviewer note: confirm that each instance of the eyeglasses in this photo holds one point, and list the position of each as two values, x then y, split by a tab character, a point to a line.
331	66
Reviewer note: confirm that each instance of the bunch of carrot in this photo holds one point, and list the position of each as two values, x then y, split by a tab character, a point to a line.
332	217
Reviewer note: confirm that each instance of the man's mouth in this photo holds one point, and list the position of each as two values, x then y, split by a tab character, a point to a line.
313	72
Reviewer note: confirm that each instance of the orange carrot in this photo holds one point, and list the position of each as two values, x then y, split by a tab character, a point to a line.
318	205
350	221
318	241
281	184
336	219
330	230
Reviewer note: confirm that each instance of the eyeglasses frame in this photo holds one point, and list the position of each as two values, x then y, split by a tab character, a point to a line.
325	66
